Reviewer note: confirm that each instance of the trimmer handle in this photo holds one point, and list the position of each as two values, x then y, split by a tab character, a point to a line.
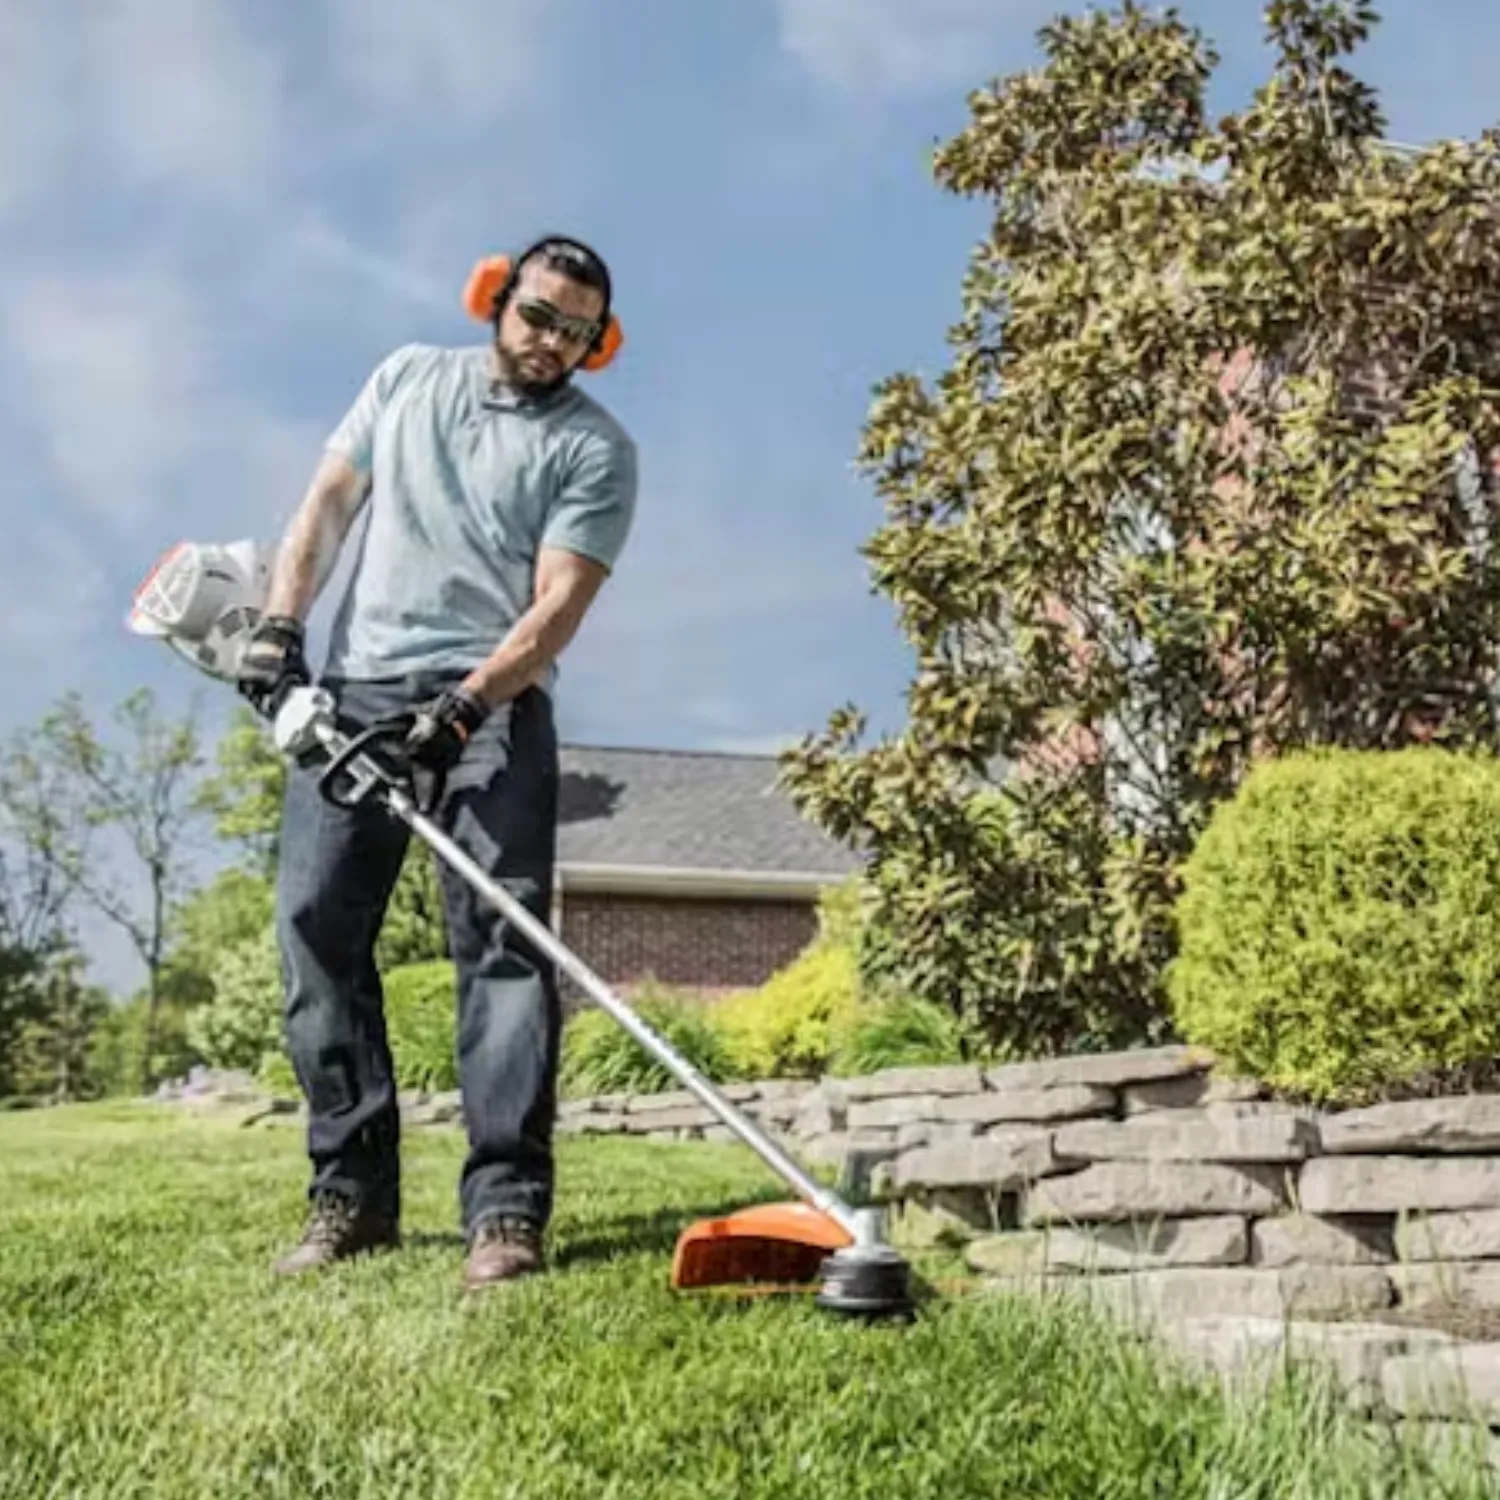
356	787
304	728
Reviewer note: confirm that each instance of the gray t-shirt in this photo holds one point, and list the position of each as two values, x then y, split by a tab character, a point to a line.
468	484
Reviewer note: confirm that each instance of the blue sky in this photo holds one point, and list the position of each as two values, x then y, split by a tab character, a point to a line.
215	218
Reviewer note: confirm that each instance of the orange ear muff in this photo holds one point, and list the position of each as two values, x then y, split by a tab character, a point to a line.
486	282
484	285
609	346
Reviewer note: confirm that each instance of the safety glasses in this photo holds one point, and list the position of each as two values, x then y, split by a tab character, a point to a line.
538	313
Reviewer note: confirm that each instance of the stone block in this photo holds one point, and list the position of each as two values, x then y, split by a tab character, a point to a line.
1103	1069
1433	1285
1472	1234
1250	1351
925	1133
783	1088
999	1162
1189	1137
825	1150
821	1110
959	1078
1027	1106
637	1104
1189	1091
1459	1382
600	1123
773	1114
1468	1123
1135	1246
1305	1239
1396	1184
862	1158
943	1219
1149	1190
1442	1442
685	1117
898	1109
837	1148
1159	1296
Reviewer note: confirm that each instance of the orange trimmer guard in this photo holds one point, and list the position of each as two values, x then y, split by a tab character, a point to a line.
780	1243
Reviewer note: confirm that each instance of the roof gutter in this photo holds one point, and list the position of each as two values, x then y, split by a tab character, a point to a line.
667	880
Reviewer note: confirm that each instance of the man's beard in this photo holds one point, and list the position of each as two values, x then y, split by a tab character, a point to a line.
517	379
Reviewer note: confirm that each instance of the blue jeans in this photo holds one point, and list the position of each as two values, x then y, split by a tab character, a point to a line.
337	868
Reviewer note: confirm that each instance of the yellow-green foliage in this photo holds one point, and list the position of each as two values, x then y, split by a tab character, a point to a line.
843	912
600	1057
1339	925
896	1031
817	1015
789	1026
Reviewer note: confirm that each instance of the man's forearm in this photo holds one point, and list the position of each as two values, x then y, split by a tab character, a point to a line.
310	547
536	640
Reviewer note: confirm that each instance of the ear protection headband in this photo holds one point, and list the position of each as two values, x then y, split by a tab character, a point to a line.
494	278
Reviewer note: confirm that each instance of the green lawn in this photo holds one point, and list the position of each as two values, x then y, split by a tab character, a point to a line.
146	1351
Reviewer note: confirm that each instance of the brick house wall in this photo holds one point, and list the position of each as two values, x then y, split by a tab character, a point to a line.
712	944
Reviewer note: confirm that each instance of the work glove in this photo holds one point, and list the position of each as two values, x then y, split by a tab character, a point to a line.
444	726
273	661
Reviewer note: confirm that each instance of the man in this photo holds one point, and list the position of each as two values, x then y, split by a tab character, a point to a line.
499	497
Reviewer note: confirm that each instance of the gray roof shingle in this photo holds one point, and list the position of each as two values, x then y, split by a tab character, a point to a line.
687	810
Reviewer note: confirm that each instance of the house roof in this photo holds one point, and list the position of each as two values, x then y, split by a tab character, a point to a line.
685	811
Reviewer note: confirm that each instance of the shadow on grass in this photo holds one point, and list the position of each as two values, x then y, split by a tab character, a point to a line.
637	1234
653	1233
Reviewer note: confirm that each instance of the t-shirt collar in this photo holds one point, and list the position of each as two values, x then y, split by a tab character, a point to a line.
496	393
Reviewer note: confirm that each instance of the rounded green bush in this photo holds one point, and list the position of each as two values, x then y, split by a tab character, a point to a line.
420	1007
240	1027
1339	922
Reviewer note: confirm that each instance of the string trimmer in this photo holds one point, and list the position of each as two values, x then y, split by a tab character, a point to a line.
204	601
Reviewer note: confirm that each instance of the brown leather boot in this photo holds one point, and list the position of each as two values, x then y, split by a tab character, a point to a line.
337	1229
501	1249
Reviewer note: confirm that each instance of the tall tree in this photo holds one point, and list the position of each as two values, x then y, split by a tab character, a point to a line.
76	802
52	1049
34	897
1208	477
244	793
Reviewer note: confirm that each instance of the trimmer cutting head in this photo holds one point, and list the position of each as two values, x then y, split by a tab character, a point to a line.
866	1281
788	1245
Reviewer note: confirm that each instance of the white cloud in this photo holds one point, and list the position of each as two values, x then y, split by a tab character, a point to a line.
34	102
322	242
887	47
474	58
188	93
52	586
112	371
122	392
156	90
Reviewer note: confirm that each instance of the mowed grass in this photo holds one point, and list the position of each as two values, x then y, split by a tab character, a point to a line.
146	1351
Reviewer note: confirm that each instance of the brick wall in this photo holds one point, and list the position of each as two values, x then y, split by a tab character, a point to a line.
708	944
